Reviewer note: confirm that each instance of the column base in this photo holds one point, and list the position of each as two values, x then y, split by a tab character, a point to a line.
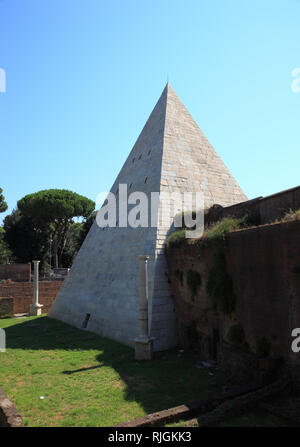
35	309
143	348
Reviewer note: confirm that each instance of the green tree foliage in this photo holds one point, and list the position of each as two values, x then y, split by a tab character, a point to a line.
25	239
74	239
5	253
54	210
86	227
3	204
48	216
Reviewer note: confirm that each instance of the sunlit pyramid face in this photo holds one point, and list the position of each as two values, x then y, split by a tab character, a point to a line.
171	155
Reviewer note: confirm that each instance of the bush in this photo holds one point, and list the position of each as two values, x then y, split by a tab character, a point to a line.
220	229
292	215
176	238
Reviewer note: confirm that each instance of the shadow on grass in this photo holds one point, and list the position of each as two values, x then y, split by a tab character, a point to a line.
166	381
82	369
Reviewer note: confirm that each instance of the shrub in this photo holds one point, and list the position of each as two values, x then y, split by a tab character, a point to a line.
176	238
292	215
219	230
193	280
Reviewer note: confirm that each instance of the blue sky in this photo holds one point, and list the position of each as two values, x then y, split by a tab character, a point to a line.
82	77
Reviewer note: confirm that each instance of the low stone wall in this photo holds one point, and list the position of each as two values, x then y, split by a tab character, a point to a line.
9	416
22	294
6	306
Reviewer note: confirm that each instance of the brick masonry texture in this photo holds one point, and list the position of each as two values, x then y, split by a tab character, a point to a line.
15	272
171	154
264	209
6	306
22	294
264	265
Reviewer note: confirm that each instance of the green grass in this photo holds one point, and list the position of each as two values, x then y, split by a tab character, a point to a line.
89	380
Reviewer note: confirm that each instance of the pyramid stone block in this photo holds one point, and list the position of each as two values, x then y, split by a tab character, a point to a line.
170	155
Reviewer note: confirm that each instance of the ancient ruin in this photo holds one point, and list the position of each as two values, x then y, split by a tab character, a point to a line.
170	155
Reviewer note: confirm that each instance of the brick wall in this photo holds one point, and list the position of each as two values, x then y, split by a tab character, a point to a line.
6	306
15	272
22	293
264	209
264	265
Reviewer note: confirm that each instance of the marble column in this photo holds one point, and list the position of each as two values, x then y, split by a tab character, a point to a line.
36	308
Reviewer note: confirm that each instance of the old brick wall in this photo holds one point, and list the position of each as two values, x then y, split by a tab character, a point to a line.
262	209
15	272
22	293
264	265
6	306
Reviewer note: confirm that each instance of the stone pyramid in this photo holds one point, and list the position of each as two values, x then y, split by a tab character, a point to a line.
171	154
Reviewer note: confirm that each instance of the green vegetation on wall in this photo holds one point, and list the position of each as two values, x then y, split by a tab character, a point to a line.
193	280
219	285
292	215
176	238
219	230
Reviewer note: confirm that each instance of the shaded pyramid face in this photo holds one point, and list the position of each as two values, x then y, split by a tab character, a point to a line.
171	154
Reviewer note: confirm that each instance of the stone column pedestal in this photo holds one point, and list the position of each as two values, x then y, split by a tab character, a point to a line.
35	309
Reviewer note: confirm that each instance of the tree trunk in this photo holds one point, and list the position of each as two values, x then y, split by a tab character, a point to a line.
55	254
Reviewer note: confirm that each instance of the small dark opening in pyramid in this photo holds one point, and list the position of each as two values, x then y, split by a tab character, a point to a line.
85	321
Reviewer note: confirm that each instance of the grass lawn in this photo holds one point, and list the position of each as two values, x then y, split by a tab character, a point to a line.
89	380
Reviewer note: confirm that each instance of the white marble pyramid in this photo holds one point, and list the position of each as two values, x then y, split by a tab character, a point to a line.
171	154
